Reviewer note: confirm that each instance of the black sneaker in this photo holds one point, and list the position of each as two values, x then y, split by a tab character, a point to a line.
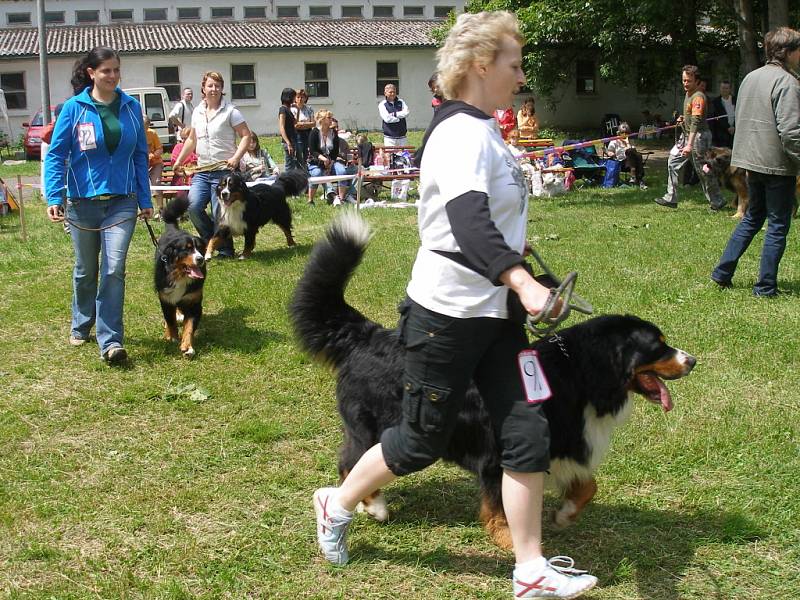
722	284
661	201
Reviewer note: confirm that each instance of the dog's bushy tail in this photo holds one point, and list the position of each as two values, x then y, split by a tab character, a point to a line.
174	210
326	326
293	182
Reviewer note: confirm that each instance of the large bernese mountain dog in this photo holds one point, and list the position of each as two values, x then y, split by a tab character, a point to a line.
595	371
180	272
243	209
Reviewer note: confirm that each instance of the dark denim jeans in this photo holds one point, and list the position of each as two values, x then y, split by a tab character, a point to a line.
203	190
771	199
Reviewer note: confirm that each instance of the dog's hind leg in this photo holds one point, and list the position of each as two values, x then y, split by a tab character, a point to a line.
287	231
492	514
577	496
283	219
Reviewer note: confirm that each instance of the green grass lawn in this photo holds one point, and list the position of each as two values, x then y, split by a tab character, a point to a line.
178	479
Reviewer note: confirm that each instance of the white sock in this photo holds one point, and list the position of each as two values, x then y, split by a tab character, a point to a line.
336	509
531	566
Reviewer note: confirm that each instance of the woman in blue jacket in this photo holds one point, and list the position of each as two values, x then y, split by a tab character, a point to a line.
98	160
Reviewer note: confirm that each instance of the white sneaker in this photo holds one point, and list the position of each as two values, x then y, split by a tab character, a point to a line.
556	579
331	529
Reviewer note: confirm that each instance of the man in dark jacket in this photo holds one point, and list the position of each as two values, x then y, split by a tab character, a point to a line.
767	145
723	106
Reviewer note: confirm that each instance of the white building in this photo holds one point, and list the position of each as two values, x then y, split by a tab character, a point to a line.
342	51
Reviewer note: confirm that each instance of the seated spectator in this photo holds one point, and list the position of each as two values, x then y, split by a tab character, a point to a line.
257	162
191	160
527	123
505	120
519	153
155	164
622	150
323	150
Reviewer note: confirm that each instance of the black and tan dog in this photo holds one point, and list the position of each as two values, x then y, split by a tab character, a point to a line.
243	209
595	371
735	179
180	272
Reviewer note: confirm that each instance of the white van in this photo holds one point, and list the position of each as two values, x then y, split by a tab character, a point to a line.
156	105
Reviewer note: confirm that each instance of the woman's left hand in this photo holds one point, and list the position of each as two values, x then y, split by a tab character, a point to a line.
146	213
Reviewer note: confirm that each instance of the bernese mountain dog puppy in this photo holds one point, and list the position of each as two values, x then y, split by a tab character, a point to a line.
243	209
180	272
595	371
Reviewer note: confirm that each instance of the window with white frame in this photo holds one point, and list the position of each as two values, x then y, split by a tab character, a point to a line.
287	12
188	13
316	80
13	85
87	17
169	78
155	14
353	12
18	18
386	73
441	12
54	17
243	82
383	12
255	12
414	11
222	12
585	77
319	12
121	15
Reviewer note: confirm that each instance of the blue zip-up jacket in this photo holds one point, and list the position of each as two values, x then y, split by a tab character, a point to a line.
79	160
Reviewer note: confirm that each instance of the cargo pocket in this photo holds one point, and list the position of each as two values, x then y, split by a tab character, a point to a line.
434	406
412	393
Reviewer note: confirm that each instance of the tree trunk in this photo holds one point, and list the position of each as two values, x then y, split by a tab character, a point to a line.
778	13
747	38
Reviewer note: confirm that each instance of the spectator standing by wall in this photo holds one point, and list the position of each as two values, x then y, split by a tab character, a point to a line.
692	145
393	111
99	154
287	130
723	106
767	145
304	122
181	115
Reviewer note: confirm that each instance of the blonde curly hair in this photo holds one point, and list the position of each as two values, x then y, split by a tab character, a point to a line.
474	38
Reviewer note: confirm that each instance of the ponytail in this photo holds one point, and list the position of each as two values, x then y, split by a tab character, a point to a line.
93	59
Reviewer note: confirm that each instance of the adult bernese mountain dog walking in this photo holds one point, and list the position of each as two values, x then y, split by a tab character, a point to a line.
180	272
594	371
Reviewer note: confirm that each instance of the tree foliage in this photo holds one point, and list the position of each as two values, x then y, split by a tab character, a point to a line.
633	42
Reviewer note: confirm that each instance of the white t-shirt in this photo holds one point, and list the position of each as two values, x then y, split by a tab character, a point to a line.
216	137
465	154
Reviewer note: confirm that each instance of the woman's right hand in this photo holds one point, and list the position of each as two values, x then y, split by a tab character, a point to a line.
55	213
532	294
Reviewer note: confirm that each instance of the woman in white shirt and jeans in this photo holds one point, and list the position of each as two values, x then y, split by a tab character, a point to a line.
455	326
216	123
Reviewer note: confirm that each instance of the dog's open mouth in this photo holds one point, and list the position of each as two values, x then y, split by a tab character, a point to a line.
193	272
652	387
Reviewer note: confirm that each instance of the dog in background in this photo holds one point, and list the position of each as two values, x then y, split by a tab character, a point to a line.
180	273
718	162
595	370
243	209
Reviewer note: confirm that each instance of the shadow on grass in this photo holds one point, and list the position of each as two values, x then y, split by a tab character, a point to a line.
225	330
653	549
270	256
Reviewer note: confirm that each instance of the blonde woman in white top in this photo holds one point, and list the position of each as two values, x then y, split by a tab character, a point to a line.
216	123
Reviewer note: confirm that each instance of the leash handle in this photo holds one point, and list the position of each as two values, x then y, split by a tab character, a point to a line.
575	301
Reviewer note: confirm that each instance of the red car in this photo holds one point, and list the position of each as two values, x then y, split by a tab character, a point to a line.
32	140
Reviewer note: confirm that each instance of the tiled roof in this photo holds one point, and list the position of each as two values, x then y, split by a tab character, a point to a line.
200	37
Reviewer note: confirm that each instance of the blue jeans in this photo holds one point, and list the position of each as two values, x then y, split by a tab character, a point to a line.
100	253
772	199
204	189
301	145
337	168
290	161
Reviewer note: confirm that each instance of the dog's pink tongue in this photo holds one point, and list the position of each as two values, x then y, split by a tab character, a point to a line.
196	273
666	398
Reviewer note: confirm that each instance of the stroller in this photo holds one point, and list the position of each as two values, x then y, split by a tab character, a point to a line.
589	168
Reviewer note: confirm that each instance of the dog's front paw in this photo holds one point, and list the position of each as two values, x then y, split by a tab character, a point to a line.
188	352
566	515
207	256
